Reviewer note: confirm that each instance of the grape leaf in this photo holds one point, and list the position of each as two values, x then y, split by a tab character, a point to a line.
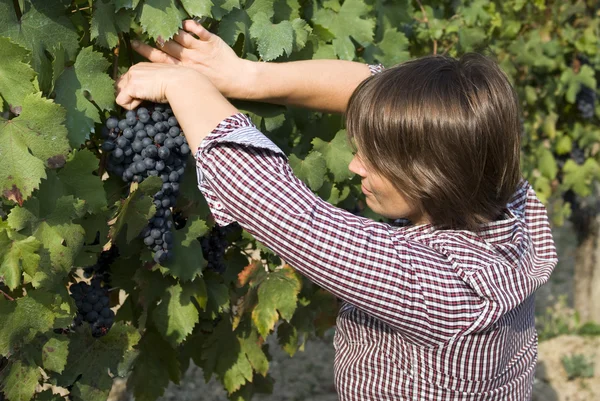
49	218
41	28
218	296
197	8
261	6
251	346
176	315
160	18
301	32
155	364
25	317
136	210
48	395
130	4
392	50
347	22
54	354
58	65
286	10
278	292
16	256
17	78
20	381
580	177
232	25
188	262
337	154
223	7
79	180
40	127
95	358
222	353
311	170
272	39
107	23
86	76
92	390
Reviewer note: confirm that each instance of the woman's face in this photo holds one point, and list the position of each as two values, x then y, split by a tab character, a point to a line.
382	197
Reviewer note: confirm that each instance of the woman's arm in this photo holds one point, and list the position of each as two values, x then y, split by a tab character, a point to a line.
324	85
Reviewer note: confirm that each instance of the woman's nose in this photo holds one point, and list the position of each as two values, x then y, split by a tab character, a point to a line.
357	167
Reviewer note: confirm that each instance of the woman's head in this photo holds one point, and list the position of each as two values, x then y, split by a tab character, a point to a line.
445	133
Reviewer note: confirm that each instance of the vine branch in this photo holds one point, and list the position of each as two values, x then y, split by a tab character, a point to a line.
7	296
426	21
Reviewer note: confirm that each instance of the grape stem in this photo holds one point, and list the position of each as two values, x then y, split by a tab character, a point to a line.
426	21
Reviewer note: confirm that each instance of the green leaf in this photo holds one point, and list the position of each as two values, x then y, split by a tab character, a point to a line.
130	4
20	381
176	315
156	363
188	263
223	7
574	82
348	22
25	317
41	29
301	32
86	78
547	163
133	213
54	354
17	78
107	23
40	127
79	180
16	256
311	170
272	39
95	358
579	178
223	354
392	50
278	292
251	346
337	154
232	25
197	8
160	18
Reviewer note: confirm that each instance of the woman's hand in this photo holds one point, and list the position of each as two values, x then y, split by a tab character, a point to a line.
152	81
208	54
195	101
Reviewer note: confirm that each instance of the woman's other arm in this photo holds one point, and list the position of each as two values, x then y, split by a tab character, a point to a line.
324	85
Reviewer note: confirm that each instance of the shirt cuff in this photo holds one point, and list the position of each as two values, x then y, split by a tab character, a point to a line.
237	129
376	68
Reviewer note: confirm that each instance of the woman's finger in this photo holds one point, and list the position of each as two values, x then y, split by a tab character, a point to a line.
152	54
174	50
185	39
197	29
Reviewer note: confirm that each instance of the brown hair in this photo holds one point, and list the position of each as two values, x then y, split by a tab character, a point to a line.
445	132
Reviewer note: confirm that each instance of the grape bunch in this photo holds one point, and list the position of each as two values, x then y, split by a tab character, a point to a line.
149	142
586	102
92	302
215	243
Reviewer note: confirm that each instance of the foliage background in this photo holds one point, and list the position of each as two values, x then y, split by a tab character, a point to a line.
60	208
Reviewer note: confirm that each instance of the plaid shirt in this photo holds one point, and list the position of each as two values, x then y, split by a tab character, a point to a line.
428	314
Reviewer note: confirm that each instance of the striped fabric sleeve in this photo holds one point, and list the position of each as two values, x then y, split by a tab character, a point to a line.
246	178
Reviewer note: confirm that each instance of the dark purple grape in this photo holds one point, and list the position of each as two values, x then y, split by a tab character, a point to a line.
112	122
164	153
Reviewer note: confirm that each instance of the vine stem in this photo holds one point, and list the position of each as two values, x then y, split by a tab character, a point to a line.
17	9
7	296
116	61
426	21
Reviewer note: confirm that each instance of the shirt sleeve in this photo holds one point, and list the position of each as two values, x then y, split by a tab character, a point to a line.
246	178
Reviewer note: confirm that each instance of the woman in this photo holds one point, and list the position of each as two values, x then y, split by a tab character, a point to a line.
440	308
